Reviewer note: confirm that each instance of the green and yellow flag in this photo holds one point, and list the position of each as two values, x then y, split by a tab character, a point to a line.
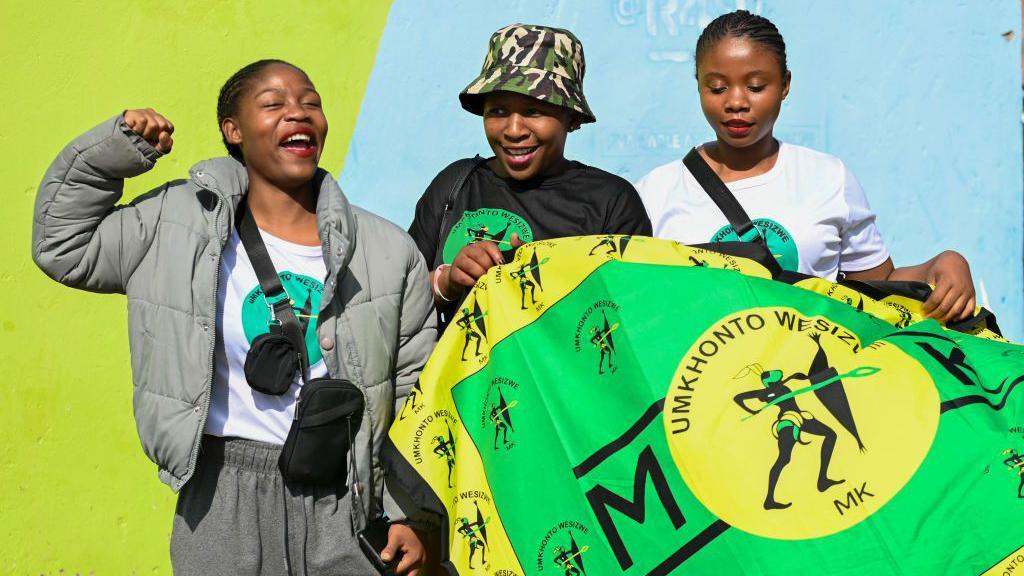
617	405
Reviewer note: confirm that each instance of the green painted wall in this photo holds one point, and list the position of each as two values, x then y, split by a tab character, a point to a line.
77	495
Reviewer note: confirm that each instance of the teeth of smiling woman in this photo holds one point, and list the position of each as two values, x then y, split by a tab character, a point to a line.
298	138
519	151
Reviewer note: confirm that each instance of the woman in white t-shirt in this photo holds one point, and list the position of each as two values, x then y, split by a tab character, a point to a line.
352	285
807	204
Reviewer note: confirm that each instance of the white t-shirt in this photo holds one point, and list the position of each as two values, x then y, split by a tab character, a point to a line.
242	314
809	207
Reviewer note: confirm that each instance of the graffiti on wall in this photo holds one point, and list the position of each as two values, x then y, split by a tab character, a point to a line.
671	25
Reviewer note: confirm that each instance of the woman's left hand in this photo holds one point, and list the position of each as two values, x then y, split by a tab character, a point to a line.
953	295
403	539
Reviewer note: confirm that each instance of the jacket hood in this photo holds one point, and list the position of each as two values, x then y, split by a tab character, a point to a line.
227	178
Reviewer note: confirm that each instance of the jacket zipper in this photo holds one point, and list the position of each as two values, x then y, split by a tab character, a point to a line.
212	330
363	511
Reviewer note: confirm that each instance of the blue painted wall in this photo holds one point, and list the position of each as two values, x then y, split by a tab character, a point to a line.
922	100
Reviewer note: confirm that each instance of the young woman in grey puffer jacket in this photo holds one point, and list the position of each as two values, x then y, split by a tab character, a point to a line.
358	285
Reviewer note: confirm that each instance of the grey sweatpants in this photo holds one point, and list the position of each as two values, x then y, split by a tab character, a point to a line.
237	515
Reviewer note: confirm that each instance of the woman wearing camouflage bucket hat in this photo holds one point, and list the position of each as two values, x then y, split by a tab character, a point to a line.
477	211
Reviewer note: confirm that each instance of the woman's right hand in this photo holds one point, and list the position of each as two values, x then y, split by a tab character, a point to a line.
152	127
471	263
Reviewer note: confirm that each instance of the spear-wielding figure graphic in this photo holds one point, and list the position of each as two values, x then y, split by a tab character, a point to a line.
606	240
502	419
860	303
411	400
475	534
480	234
571	560
306	313
528	276
445	448
699	263
472	323
601	338
1015	462
792	422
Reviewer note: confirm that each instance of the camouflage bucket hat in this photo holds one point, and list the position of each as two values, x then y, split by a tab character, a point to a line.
537	61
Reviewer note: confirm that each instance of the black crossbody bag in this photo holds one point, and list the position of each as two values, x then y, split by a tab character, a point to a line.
730	207
328	411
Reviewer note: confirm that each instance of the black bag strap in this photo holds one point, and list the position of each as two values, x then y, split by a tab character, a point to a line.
730	207
459	175
274	293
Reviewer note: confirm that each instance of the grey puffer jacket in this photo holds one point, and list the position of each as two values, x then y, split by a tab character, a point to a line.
376	324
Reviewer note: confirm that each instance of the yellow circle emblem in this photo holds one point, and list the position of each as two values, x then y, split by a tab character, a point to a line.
785	427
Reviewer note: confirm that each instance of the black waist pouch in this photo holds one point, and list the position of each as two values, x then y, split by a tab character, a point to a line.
271	363
327	418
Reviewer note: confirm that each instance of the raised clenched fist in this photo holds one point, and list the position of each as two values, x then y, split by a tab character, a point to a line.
153	128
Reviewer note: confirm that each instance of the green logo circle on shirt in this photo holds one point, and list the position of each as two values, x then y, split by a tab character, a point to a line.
780	241
305	293
485	225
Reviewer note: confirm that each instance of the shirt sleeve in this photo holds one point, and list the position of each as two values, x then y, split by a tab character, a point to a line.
627	214
862	247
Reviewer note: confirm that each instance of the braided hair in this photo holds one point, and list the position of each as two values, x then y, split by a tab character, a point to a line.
742	24
227	101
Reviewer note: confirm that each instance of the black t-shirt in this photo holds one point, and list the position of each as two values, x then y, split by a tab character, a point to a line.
581	201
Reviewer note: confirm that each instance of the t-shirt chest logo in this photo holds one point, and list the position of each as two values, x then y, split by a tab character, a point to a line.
305	292
780	241
486	225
